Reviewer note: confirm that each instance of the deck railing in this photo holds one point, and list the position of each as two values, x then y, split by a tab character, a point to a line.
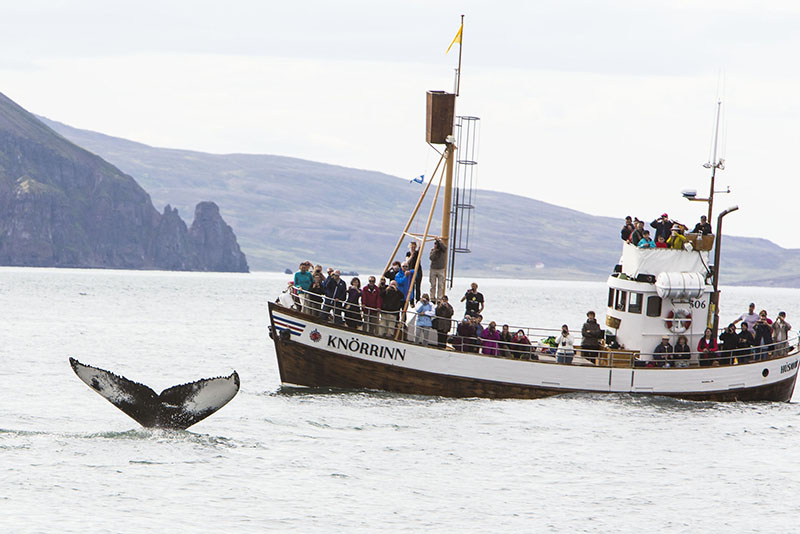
401	325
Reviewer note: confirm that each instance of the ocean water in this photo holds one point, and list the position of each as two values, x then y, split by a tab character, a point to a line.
275	460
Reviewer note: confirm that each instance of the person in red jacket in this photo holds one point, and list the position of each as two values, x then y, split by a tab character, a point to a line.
707	347
370	305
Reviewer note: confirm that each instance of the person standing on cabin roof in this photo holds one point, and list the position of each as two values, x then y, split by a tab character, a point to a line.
370	305
645	241
411	260
302	281
474	300
661	242
637	234
662	225
438	257
676	240
702	227
750	317
627	229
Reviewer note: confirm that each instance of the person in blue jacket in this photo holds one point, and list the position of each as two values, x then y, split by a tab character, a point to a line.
645	241
404	280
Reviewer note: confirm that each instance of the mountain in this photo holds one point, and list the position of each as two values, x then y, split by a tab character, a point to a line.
286	210
62	206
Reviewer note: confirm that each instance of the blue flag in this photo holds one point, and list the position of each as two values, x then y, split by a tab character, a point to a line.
419	179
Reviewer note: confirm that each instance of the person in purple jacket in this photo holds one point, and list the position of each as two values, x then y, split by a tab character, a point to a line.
490	336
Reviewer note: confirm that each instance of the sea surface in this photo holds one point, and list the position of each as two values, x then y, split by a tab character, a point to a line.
275	460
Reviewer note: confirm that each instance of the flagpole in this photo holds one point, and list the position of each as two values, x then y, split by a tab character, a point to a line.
460	48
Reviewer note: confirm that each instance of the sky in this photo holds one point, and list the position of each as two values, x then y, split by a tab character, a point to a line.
602	106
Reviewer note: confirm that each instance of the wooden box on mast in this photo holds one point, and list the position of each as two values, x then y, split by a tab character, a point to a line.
441	108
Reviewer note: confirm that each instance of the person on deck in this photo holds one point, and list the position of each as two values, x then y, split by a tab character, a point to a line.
371	305
315	296
707	347
392	271
662	225
474	300
627	229
392	301
352	314
744	349
424	332
645	241
411	260
566	346
750	317
490	338
780	333
681	353
592	335
404	280
661	242
442	323
302	281
763	335
438	257
504	347
335	295
465	339
662	353
730	342
676	240
702	227
521	346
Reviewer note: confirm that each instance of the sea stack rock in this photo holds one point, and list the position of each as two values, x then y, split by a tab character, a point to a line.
62	206
214	241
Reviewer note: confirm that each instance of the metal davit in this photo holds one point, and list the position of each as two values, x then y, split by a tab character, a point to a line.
466	130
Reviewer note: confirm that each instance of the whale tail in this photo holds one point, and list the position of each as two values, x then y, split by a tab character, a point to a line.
177	407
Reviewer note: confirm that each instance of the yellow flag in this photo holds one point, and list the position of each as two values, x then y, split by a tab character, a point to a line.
456	39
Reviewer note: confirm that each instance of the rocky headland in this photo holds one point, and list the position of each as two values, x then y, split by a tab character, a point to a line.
62	206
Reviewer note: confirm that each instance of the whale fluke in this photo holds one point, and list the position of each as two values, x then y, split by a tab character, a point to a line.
177	407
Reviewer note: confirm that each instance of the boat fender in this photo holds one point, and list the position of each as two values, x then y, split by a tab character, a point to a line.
682	320
285	335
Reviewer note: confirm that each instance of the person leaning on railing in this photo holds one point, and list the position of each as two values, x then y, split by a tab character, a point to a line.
592	335
707	347
392	301
763	335
370	304
521	348
681	353
780	334
442	323
302	281
730	342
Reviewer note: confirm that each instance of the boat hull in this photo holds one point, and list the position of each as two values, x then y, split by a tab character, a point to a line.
320	355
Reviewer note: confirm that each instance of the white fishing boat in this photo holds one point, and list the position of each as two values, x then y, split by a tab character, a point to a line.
652	294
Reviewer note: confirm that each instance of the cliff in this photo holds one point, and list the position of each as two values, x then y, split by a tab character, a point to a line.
62	206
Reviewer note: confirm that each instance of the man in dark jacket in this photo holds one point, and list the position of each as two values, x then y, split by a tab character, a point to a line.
438	258
663	227
592	334
392	301
702	227
663	352
335	295
627	228
637	234
442	324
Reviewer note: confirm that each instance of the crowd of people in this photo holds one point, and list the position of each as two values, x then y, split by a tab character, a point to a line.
379	308
758	338
667	233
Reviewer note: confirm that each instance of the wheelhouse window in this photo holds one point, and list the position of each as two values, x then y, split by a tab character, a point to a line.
654	306
635	305
622	296
610	297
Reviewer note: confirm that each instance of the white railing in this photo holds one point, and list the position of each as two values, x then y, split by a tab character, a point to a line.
401	325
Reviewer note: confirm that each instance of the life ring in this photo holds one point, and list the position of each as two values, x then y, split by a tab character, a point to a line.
682	320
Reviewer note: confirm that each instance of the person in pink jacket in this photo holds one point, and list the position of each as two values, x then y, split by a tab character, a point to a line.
490	338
